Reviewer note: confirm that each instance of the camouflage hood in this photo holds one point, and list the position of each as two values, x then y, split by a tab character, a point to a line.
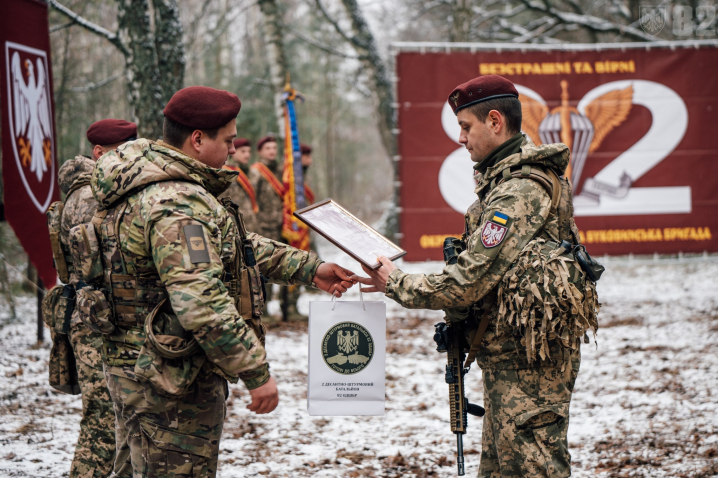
554	156
137	164
73	171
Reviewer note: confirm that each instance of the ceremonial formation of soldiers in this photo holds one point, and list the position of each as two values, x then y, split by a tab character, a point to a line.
167	249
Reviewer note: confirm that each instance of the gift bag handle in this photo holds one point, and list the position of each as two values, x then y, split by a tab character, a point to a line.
361	297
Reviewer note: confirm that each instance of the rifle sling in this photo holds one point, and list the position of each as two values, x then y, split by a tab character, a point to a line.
476	343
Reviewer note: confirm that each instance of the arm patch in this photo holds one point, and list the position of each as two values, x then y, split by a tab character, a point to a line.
196	243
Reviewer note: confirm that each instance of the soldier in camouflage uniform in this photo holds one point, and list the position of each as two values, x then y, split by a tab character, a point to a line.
241	192
95	450
181	286
266	178
536	303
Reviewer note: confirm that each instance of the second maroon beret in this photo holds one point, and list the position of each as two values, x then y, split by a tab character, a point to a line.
305	148
239	142
111	131
482	88
265	140
202	107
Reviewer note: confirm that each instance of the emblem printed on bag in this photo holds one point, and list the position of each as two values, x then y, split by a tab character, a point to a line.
493	233
196	244
347	348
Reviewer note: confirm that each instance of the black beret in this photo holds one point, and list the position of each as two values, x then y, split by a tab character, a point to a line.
111	131
482	88
305	148
265	140
239	142
202	107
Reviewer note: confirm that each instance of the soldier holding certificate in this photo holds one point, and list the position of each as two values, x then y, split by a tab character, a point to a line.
515	286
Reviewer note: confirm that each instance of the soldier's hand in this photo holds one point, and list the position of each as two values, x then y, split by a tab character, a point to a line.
377	279
333	278
264	398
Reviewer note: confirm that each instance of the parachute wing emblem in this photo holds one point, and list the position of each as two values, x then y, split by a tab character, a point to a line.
608	111
533	113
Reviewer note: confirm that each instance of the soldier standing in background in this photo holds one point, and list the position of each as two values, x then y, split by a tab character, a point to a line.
306	151
516	289
182	278
95	450
241	191
265	176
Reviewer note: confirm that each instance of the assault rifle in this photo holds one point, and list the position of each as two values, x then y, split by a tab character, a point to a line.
449	338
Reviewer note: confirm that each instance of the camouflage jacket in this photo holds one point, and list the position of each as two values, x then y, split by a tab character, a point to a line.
80	205
240	197
163	191
271	206
525	205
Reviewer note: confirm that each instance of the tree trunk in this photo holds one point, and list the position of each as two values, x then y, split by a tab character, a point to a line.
169	47
276	56
365	45
143	77
461	21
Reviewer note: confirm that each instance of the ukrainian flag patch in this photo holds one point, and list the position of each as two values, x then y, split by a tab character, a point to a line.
500	218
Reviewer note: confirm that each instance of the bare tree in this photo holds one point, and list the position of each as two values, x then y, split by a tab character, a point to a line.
276	55
153	53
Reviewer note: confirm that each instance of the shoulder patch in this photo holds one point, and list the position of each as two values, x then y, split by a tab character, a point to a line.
196	243
495	230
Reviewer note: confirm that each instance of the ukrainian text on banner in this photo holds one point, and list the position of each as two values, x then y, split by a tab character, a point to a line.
640	124
29	164
347	358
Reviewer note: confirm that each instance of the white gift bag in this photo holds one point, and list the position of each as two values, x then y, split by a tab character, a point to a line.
347	357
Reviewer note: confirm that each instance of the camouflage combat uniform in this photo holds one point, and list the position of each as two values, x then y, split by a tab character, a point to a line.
271	206
240	197
159	209
530	352
95	450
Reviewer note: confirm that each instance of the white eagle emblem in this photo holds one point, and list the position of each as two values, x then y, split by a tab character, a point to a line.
348	341
492	234
30	120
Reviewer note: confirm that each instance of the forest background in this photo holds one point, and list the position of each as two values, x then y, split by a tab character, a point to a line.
125	59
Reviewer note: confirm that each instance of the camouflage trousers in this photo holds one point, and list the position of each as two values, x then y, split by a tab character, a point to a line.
163	437
95	450
526	421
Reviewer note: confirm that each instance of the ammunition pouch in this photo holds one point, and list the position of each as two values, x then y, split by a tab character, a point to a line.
94	310
86	252
57	308
60	256
168	360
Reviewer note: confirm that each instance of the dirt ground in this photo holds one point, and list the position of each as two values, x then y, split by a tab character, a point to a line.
645	403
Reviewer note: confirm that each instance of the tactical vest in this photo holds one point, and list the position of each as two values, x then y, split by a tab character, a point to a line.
132	308
59	303
544	298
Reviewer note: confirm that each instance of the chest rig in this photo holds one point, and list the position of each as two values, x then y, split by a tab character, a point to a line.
135	296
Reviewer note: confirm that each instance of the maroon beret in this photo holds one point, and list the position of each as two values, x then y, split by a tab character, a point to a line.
305	148
202	107
482	88
265	140
111	131
239	142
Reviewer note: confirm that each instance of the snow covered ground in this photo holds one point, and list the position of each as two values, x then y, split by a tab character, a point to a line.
645	404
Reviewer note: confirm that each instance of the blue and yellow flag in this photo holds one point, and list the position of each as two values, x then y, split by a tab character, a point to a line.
293	230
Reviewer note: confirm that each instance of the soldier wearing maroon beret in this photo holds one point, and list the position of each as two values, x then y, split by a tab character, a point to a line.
266	177
95	448
192	274
241	192
514	292
107	134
